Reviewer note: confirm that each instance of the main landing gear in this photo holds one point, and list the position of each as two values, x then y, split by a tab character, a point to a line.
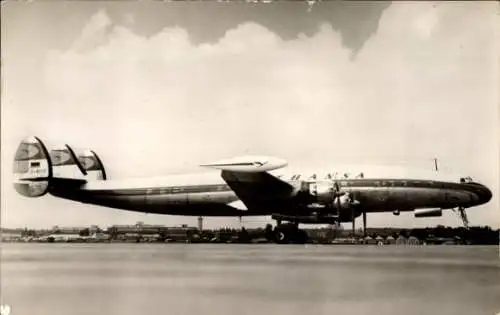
286	233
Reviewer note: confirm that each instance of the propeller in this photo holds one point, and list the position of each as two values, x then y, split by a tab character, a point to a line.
353	218
351	203
337	198
364	223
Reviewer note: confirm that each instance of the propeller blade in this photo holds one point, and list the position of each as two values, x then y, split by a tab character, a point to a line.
364	223
353	216
337	189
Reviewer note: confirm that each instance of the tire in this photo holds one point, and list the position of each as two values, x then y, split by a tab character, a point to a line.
287	234
282	235
300	237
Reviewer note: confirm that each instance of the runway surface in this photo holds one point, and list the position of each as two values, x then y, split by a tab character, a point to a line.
248	279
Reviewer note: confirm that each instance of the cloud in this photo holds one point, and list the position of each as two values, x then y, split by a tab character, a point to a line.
94	32
423	86
129	18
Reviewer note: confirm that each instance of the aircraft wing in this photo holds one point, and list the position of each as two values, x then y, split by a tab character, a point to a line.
258	190
249	179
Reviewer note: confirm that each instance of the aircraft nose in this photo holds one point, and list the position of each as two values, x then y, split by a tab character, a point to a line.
486	194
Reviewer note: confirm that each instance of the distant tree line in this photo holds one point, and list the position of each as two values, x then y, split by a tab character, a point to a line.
478	235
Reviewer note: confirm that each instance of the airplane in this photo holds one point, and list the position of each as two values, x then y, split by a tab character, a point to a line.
247	186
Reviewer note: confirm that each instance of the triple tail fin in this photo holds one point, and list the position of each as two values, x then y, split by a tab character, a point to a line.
36	170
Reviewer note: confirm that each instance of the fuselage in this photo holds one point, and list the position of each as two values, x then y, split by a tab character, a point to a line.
207	194
245	186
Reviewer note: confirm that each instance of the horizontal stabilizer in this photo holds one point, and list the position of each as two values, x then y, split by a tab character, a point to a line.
67	183
248	164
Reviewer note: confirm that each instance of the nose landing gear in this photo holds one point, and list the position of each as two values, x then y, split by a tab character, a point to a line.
460	211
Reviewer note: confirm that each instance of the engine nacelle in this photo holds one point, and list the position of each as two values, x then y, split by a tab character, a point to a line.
325	193
322	192
426	213
344	201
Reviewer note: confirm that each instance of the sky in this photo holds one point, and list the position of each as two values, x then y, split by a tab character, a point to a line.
161	87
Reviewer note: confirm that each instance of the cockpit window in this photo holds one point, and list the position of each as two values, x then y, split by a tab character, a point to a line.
476	183
467	179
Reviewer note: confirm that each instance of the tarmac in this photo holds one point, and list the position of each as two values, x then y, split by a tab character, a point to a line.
232	279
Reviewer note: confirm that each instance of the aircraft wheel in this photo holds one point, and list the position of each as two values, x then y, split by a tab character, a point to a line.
286	234
281	236
300	237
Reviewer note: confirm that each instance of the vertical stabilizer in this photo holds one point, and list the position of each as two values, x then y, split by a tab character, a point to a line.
65	164
92	165
32	168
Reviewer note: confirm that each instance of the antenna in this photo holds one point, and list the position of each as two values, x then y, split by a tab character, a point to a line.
436	164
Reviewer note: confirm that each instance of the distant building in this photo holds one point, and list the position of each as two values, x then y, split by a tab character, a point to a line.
67	229
11	235
136	229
